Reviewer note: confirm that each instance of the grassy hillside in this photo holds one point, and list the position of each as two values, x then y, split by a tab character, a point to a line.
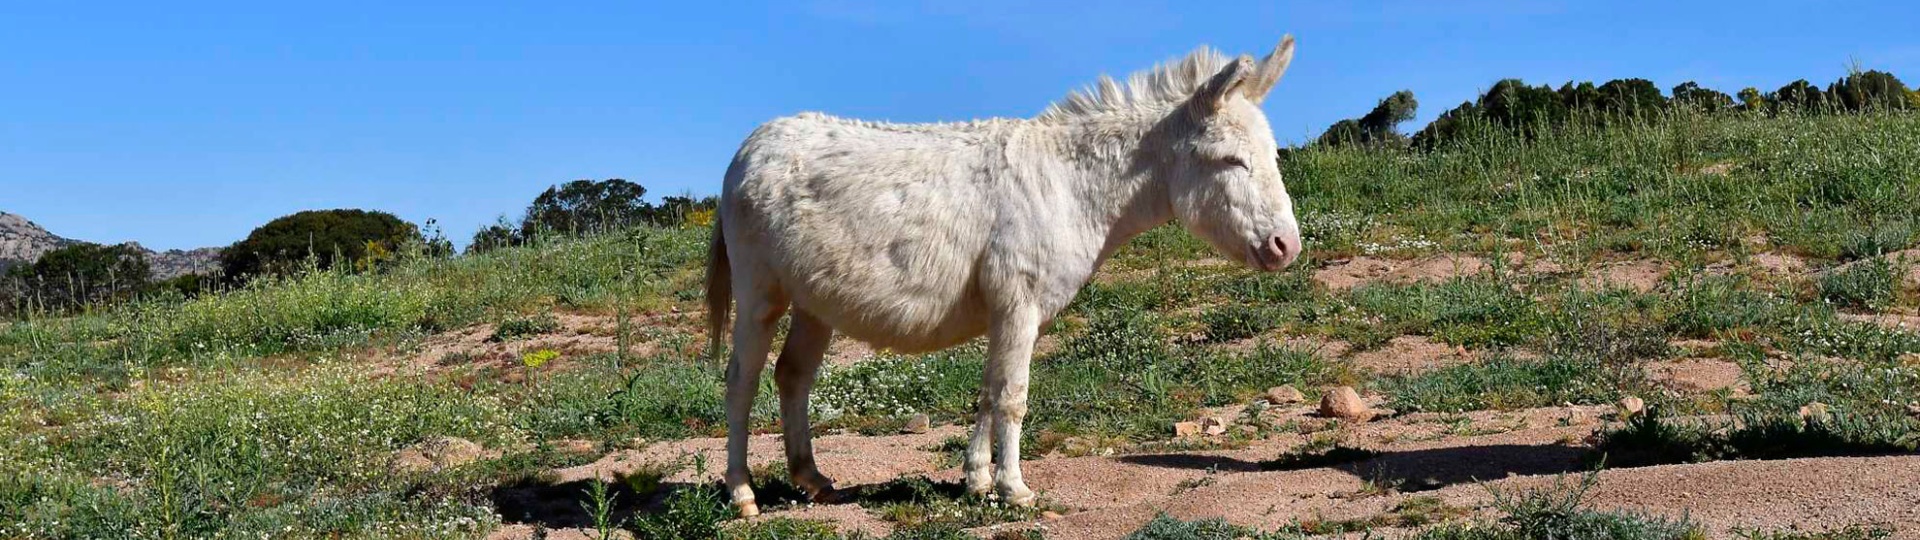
278	410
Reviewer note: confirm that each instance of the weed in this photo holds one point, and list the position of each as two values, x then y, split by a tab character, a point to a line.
1868	284
524	327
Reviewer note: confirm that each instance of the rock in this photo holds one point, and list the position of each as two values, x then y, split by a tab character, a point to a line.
1914	410
1285	395
1213	426
1186	429
1631	406
1049	515
1815	412
918	423
436	454
1345	403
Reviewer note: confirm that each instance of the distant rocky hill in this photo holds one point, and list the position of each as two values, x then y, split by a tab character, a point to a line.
23	241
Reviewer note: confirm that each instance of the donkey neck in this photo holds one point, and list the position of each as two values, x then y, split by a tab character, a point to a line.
1113	165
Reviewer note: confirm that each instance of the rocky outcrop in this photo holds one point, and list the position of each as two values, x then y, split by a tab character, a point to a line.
23	241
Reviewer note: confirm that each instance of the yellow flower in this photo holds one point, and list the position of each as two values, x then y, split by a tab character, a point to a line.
700	218
535	359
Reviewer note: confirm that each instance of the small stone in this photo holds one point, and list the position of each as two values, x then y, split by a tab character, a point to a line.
1345	403
1631	406
1049	515
918	423
1914	410
1186	429
1285	395
1815	412
1213	426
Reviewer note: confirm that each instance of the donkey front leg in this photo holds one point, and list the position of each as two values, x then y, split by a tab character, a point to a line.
978	467
1009	354
752	339
799	363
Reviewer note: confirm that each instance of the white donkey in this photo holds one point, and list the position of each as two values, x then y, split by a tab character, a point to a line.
919	237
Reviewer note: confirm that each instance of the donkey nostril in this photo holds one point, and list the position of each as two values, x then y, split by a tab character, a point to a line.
1277	245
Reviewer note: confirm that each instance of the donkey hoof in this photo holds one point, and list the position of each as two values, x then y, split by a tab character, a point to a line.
1023	498
979	486
747	508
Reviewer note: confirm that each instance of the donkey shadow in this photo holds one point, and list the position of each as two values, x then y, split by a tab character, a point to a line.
567	504
1409	470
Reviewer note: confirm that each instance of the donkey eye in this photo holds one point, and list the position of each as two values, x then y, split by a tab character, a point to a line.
1235	161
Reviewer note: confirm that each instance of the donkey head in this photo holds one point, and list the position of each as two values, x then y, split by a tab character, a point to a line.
1225	181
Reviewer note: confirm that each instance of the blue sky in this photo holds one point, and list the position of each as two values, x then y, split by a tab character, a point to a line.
186	124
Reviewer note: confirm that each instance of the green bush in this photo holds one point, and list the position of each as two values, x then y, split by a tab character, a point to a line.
357	239
74	276
524	327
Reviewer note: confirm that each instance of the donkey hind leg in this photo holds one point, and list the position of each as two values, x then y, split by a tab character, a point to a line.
799	362
753	331
1009	355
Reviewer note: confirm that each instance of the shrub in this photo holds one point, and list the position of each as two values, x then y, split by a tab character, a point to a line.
359	238
524	327
78	275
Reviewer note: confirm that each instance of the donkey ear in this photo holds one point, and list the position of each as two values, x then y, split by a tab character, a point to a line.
1215	92
1271	69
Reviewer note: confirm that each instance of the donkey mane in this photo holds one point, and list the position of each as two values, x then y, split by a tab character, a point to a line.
1165	84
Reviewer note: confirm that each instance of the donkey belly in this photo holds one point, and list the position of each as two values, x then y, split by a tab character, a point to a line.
892	285
878	233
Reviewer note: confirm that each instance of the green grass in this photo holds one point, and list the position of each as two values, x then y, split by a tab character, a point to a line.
1869	284
1503	383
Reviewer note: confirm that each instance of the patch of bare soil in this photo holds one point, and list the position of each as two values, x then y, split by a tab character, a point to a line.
1779	263
1641	276
1357	271
579	335
1806	494
1717	169
1410	354
848	459
1533	264
1699	375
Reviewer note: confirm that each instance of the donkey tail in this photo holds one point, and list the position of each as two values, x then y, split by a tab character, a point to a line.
719	290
